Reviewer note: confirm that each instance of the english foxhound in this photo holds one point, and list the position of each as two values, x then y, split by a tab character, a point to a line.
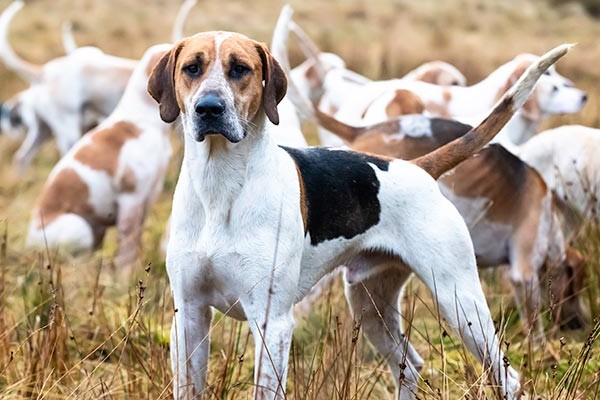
310	76
67	95
554	94
568	159
505	203
361	104
255	225
110	177
507	206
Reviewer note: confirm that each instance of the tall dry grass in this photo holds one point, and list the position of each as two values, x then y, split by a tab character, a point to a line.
77	328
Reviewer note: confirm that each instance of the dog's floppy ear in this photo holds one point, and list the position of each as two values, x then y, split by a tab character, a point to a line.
275	83
161	85
531	109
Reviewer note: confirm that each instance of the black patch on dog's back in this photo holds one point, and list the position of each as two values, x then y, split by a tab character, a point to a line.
340	191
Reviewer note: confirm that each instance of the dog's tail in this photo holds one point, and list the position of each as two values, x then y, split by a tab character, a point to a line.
68	39
279	40
28	71
347	132
450	155
178	32
279	50
309	48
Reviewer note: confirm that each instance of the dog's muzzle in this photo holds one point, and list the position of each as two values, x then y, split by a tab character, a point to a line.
212	119
4	116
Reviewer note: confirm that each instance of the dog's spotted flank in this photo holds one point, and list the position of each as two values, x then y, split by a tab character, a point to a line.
340	189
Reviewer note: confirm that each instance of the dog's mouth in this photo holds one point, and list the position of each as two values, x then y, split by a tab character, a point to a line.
224	126
201	134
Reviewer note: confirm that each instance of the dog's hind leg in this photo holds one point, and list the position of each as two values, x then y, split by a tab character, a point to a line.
375	302
442	256
526	287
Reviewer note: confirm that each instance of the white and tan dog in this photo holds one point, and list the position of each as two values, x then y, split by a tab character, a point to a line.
568	157
255	225
509	209
371	103
110	177
324	78
67	95
554	94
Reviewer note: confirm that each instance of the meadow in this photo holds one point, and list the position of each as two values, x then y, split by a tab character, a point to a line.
79	328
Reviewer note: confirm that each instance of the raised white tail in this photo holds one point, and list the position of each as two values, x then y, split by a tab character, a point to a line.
28	71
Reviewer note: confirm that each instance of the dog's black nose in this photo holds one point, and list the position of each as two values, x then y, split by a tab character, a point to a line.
584	98
210	106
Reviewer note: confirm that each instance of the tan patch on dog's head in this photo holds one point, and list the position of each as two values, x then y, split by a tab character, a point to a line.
103	150
66	193
430	76
404	102
439	73
531	109
567	281
172	81
155	58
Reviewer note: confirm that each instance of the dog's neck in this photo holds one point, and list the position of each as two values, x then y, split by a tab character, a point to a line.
517	131
219	169
137	103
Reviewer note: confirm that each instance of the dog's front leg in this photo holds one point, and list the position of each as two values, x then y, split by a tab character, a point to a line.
190	339
272	331
66	127
130	222
36	135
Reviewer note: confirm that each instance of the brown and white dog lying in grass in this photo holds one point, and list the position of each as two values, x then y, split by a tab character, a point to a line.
67	96
110	177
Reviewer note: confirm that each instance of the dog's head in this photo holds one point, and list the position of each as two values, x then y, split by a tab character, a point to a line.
11	119
553	94
439	73
309	77
567	282
215	80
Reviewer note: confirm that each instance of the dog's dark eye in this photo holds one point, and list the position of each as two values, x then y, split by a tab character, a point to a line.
192	69
547	73
238	70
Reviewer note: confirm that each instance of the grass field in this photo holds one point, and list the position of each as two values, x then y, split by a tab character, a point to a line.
77	328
